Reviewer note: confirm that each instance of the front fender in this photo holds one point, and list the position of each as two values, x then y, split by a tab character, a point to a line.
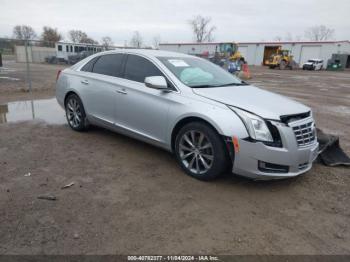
223	119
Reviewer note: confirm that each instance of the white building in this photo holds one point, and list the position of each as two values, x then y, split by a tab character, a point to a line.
256	53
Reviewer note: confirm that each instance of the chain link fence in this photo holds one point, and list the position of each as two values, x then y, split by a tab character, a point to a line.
37	58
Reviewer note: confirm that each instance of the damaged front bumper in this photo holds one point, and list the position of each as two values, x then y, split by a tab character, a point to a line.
258	161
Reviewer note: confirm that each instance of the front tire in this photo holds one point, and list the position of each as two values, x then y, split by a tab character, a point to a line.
75	113
201	152
283	65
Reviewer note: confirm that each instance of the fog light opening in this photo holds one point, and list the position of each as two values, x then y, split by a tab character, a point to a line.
272	168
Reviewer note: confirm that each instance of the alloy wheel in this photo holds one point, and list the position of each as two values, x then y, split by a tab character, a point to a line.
196	152
74	114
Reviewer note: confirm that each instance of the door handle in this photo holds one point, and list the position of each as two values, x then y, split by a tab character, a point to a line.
85	82
122	91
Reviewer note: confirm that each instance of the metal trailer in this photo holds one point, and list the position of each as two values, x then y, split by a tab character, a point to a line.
66	49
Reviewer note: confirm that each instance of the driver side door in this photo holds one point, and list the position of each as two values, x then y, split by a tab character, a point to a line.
140	109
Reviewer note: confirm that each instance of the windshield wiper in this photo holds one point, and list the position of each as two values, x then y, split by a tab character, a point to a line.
233	84
201	86
229	84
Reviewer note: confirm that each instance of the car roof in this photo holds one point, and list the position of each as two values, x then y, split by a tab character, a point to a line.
146	52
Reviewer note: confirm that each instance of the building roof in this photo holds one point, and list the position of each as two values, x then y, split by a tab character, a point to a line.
147	52
294	42
195	43
263	43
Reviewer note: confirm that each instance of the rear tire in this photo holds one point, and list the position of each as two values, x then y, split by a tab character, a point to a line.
201	152
75	113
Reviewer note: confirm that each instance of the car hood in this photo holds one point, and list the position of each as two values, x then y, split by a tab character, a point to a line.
308	63
255	100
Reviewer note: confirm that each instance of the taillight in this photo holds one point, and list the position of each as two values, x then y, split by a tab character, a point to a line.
58	74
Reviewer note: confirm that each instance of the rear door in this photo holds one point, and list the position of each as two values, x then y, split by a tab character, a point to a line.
101	85
141	109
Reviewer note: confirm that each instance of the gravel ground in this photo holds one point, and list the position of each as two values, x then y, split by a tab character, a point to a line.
129	197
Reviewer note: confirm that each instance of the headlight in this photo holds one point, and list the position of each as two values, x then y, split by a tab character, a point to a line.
255	125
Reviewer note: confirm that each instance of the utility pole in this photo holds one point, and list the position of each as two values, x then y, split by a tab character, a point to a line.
29	80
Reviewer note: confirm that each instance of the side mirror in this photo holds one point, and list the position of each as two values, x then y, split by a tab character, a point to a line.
156	82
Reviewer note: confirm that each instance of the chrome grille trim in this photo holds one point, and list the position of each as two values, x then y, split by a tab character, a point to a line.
305	133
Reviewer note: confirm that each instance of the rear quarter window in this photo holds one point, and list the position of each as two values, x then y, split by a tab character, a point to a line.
109	65
89	65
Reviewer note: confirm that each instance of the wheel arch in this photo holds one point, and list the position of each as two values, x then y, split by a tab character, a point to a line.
71	92
184	121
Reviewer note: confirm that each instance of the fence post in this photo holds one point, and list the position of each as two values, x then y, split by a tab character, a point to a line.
29	80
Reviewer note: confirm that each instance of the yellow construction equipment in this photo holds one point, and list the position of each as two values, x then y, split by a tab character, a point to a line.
227	52
282	60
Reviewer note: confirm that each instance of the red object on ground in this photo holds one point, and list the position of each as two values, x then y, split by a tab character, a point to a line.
246	71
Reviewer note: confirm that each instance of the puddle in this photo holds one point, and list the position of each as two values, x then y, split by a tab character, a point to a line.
343	110
47	110
7	69
10	78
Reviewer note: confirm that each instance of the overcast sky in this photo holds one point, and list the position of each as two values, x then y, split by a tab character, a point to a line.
244	20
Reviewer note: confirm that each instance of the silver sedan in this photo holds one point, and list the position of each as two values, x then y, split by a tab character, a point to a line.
211	120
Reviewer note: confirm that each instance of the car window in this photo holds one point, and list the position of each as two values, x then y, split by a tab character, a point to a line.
89	65
109	65
138	68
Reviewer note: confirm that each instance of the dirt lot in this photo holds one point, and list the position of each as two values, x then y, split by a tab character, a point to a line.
130	197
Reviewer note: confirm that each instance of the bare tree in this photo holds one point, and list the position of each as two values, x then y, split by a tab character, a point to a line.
106	42
136	40
319	33
89	40
78	36
50	34
278	38
202	30
24	32
156	42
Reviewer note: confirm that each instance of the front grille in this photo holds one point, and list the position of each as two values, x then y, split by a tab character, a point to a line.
305	133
